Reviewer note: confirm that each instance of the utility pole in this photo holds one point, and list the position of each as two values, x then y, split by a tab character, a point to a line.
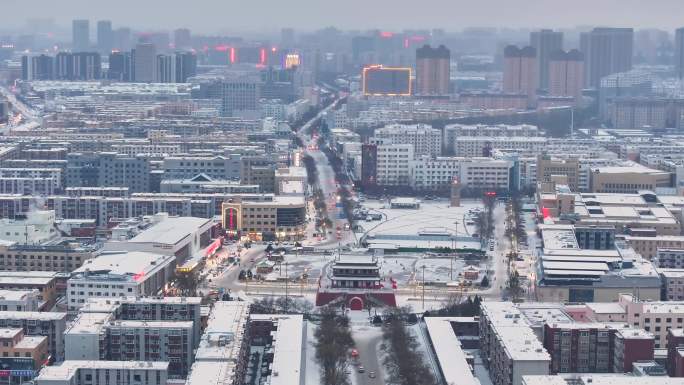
287	301
423	293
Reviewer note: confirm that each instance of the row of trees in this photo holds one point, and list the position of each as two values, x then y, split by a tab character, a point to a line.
404	364
333	343
484	221
454	307
281	305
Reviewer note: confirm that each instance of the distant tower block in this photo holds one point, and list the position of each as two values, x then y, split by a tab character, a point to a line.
455	193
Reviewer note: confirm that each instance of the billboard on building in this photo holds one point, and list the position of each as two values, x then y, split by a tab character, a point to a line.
379	80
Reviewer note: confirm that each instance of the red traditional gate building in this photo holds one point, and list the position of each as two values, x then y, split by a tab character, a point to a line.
355	282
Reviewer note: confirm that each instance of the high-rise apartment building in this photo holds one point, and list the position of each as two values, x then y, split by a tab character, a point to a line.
679	52
566	74
287	37
80	35
186	66
606	51
144	63
520	71
121	67
78	66
105	36
182	38
433	71
41	67
166	69
546	42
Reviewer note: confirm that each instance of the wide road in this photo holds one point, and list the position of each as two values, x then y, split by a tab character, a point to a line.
228	279
499	256
367	339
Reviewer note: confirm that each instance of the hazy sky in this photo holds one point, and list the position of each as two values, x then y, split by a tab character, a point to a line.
211	16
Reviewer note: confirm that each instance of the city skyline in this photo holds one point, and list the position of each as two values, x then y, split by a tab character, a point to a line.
252	17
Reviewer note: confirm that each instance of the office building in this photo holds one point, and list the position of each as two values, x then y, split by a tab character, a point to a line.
521	74
283	218
548	167
105	37
433	71
438	174
144	63
606	51
118	275
240	94
546	42
378	80
181	237
566	74
217	167
80	35
424	139
104	372
679	53
628	179
393	164
258	170
182	39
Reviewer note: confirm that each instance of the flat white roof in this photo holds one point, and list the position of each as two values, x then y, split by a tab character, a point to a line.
450	356
543	380
32	315
68	369
211	373
131	263
287	355
551	265
222	339
171	230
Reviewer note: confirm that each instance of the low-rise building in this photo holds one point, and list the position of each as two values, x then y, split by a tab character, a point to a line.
39	324
222	353
283	218
161	233
596	347
508	345
628	179
119	274
104	372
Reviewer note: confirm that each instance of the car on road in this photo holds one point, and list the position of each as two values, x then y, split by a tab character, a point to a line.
371	374
361	369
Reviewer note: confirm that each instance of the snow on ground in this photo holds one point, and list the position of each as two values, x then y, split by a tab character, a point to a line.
431	215
312	371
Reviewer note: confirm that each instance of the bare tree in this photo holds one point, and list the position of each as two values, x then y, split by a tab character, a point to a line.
404	364
333	344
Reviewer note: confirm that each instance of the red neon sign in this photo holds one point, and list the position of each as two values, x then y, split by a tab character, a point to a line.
232	55
211	249
262	56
